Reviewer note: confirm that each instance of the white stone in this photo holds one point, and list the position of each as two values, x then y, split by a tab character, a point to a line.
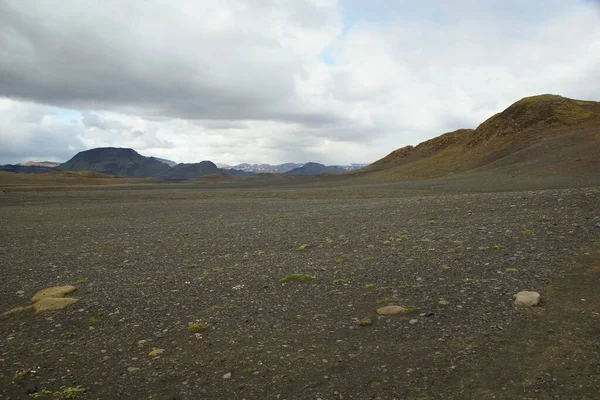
527	299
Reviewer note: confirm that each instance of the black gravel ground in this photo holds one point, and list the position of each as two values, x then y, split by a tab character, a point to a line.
149	260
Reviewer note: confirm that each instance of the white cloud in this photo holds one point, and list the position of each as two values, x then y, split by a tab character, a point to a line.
238	81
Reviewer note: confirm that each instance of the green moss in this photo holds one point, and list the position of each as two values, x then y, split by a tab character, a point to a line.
83	281
527	232
297	277
340	282
302	247
61	394
197	327
497	247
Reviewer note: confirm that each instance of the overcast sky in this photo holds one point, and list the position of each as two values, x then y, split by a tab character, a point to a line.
278	80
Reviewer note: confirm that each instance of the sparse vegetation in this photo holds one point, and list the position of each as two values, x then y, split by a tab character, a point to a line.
83	281
527	232
302	247
297	277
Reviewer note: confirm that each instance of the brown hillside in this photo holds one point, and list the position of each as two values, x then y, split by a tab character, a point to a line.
532	129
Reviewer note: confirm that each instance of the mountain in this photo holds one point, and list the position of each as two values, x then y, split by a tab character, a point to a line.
541	135
313	169
265	168
45	164
168	162
181	172
115	161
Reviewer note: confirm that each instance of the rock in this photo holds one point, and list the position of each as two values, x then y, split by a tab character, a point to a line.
52	303
20	293
31	388
527	299
366	322
413	321
56	291
443	302
391	310
429	314
227	375
597	225
156	352
132	369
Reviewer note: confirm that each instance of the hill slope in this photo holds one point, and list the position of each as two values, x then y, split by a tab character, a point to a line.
184	171
535	135
115	161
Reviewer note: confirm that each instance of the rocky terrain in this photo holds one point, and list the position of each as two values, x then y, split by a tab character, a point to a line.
227	291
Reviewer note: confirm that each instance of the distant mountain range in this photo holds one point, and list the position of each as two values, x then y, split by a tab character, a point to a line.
129	163
281	168
540	135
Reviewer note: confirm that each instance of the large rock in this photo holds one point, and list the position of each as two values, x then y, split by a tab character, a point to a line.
527	299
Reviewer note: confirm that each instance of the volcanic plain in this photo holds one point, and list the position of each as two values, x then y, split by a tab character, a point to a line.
230	291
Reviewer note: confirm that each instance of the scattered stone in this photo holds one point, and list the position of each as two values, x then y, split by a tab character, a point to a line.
511	270
443	302
429	314
156	352
31	388
413	321
366	322
597	225
20	293
391	310
302	247
550	330
132	369
227	375
527	299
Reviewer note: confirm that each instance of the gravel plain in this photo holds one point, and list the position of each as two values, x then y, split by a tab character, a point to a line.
148	261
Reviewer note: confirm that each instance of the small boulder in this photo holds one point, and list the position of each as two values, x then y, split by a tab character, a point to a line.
391	310
527	299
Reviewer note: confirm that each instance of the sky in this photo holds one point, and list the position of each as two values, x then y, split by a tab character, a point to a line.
274	81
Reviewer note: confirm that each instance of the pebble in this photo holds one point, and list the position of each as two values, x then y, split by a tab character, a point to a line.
227	375
413	321
20	293
366	322
132	369
31	389
527	299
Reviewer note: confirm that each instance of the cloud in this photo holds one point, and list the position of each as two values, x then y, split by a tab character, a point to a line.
272	81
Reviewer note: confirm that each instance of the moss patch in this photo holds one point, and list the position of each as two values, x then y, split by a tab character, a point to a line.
56	291
297	277
197	327
52	303
61	394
